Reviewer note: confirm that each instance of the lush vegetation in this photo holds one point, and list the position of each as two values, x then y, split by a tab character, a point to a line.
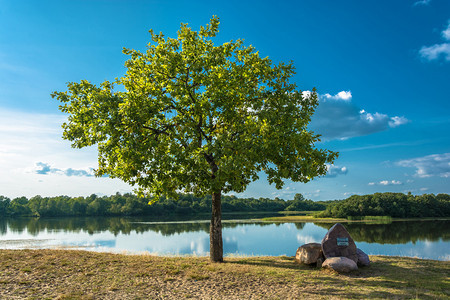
379	206
194	117
396	205
131	205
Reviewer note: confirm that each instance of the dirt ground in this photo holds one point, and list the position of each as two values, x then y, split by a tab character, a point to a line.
68	274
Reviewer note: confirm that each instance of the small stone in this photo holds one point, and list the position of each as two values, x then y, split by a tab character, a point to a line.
363	258
340	264
338	242
308	253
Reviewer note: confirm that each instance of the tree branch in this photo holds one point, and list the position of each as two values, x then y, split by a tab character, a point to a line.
159	131
212	163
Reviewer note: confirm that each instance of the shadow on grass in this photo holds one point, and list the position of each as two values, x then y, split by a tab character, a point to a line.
387	277
283	262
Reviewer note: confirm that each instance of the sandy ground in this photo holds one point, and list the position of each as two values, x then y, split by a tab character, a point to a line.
69	274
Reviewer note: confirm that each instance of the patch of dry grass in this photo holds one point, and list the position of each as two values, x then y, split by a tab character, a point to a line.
366	219
304	219
67	274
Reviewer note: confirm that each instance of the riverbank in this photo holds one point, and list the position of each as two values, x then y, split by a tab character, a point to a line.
310	218
303	218
68	274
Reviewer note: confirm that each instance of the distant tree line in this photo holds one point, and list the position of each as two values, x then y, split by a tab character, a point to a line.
131	205
396	205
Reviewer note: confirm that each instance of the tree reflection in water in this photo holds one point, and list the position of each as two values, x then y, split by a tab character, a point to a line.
397	232
115	225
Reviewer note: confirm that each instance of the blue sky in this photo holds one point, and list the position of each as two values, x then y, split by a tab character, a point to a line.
382	69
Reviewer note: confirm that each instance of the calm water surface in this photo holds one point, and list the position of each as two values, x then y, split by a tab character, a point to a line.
424	239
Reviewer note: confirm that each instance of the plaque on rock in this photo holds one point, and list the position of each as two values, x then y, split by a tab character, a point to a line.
342	241
338	243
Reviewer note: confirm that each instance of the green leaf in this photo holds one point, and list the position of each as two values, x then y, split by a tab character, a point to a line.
195	117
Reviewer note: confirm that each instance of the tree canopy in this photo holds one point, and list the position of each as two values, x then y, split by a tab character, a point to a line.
194	117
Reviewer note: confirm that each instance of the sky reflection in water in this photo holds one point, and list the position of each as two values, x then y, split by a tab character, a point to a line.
417	239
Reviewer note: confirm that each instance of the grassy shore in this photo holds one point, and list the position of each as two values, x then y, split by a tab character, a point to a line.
67	274
309	218
303	219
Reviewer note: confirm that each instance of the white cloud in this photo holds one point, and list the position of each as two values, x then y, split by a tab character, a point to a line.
24	136
306	239
287	192
422	2
397	121
306	94
428	166
313	194
392	182
446	33
337	117
348	194
343	95
437	51
386	182
334	171
27	138
46	169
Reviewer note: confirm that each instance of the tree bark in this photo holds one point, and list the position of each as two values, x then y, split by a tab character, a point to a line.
215	229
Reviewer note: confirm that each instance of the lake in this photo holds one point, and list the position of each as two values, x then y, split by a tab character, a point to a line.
243	237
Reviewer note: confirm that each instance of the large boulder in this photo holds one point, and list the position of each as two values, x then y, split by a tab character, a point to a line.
309	253
338	243
363	258
340	264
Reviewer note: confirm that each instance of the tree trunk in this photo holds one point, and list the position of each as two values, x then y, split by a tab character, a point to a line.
215	229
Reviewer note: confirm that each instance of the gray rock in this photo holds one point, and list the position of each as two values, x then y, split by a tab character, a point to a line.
319	262
363	258
338	243
340	264
309	253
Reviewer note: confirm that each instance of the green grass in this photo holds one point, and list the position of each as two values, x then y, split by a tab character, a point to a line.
371	219
378	219
303	219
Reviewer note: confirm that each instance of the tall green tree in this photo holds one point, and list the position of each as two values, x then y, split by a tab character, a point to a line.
4	203
195	117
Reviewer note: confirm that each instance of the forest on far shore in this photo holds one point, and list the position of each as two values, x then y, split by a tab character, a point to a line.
396	205
132	205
